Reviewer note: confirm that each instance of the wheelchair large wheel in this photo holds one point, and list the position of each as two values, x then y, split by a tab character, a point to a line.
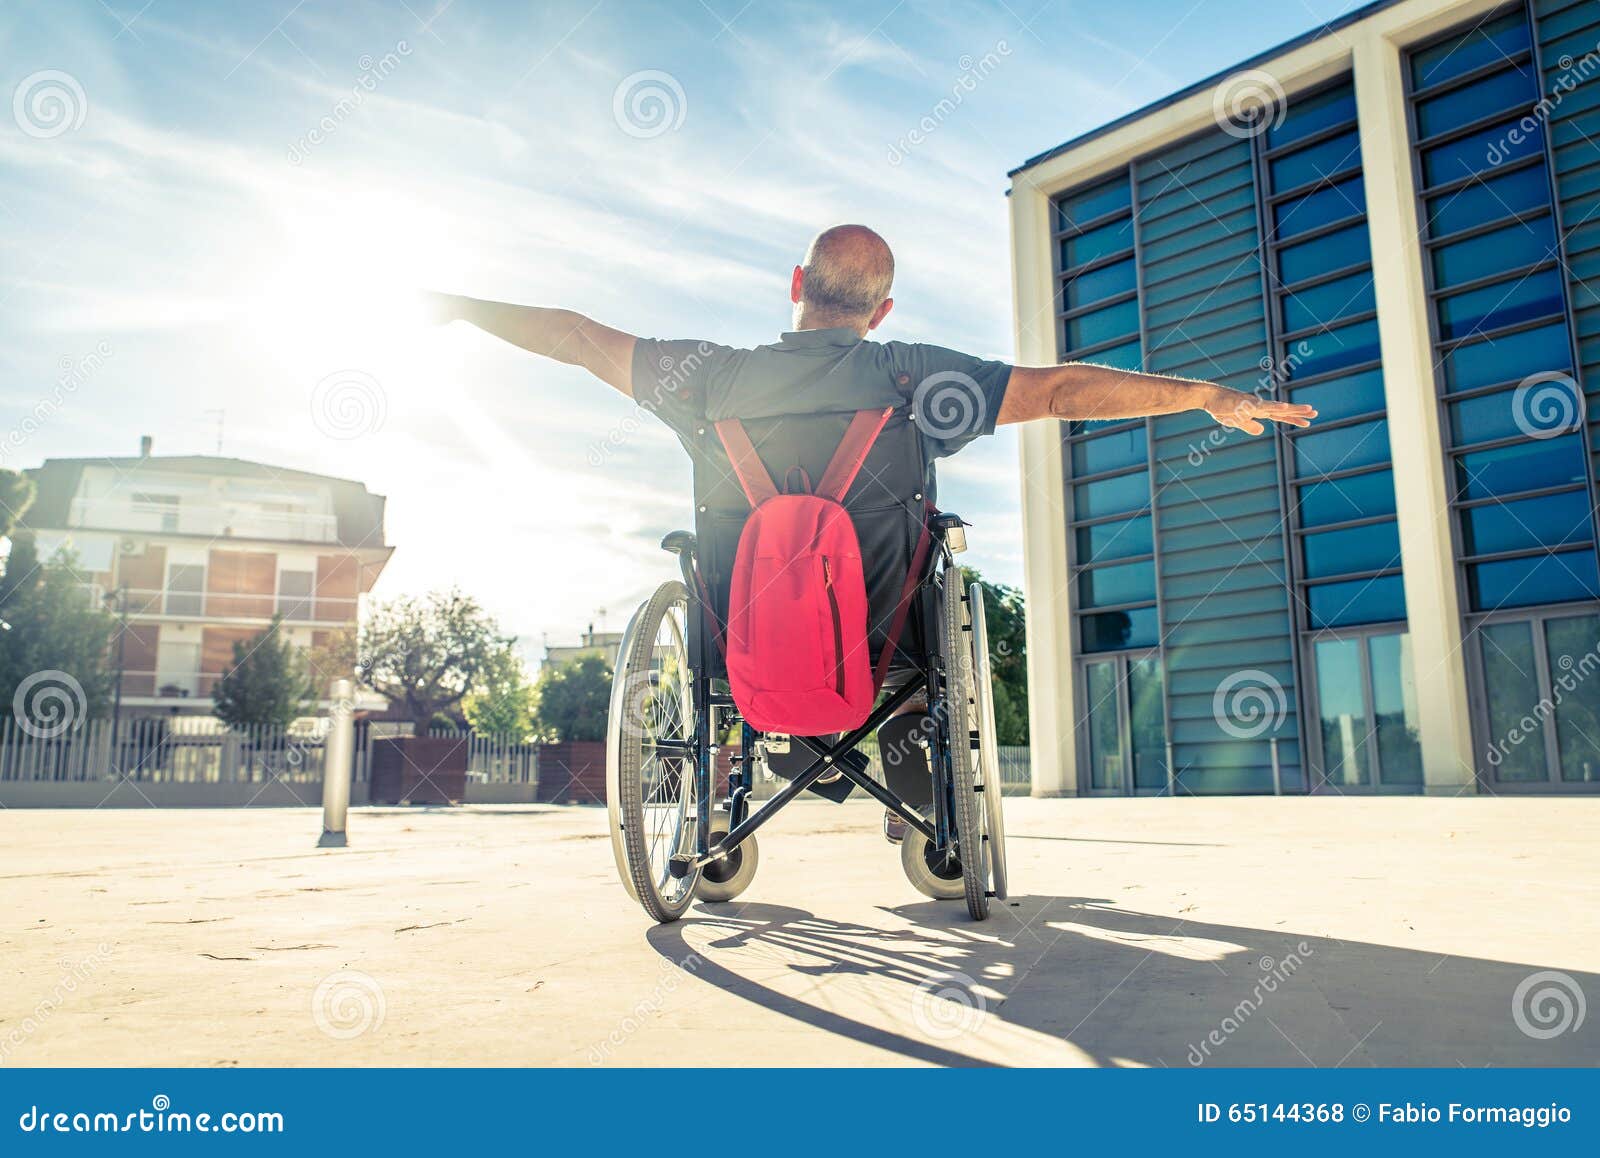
650	794
969	813
988	742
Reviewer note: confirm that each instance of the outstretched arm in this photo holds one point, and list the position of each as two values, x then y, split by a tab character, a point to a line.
1083	392
560	334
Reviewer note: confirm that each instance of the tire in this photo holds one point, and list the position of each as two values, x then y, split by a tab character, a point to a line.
956	649
725	879
938	883
988	744
650	797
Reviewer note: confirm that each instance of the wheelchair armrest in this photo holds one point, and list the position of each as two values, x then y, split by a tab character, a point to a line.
678	542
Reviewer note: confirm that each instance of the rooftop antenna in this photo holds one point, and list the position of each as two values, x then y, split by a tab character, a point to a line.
221	414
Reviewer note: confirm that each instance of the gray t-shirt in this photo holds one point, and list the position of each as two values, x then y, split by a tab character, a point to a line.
953	397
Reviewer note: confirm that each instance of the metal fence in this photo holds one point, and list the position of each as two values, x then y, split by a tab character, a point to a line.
199	750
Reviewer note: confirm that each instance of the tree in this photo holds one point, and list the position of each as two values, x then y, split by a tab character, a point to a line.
426	654
16	495
503	701
574	698
1008	656
267	684
56	642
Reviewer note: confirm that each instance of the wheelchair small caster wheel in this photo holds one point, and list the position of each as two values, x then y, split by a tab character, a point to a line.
725	879
927	872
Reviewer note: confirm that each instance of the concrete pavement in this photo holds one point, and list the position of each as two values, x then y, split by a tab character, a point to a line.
1230	931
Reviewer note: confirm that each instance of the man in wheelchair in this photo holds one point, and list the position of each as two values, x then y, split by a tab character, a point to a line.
819	587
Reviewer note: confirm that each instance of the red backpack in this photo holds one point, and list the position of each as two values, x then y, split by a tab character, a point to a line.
796	638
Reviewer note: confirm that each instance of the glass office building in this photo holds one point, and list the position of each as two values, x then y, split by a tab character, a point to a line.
1395	218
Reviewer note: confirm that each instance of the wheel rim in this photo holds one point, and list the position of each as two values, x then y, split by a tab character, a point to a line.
988	741
661	707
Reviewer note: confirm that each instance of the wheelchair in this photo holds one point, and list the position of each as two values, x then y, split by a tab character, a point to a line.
680	831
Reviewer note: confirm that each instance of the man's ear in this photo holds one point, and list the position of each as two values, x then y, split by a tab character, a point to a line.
797	281
880	313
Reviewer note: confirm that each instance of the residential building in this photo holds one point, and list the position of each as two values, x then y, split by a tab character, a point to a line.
1396	218
200	552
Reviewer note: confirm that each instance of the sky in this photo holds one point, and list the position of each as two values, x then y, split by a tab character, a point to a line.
212	217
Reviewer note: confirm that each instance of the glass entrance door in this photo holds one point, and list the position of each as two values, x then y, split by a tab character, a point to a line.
1539	707
1125	729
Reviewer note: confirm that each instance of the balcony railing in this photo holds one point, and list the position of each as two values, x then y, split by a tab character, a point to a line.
205	605
118	514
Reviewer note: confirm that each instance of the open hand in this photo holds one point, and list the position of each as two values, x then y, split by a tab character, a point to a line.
1240	411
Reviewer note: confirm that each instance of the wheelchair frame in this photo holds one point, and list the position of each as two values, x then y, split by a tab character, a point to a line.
931	678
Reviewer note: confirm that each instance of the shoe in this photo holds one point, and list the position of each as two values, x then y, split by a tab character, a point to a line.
894	826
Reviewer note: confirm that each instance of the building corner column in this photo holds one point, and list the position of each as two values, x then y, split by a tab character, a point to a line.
1046	582
1421	498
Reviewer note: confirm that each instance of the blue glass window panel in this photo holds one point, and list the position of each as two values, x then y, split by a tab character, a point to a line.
1102	241
1337	250
1567	641
1489	200
1346	448
1357	601
1550	408
1098	284
1310	115
1394	708
1359	393
1479	46
1111	496
1508	358
1096	202
1324	159
1324	207
1103	325
1518	244
1115	540
1118	583
1511	678
1330	350
1104	725
1374	547
1128	356
1329	302
1522	466
1342	710
1357	497
1110	451
1481	151
1113	630
1532	580
1147	723
1505	303
1547	521
1483	98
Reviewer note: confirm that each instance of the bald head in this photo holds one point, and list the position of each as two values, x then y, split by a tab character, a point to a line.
846	278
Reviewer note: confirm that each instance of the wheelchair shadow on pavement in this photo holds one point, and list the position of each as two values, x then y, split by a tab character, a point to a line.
1080	981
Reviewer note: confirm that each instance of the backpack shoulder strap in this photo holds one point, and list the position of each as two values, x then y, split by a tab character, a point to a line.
747	464
853	449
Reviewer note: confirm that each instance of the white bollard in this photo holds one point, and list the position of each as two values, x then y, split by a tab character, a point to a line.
338	764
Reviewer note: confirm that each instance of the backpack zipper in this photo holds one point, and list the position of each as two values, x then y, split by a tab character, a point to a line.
838	628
